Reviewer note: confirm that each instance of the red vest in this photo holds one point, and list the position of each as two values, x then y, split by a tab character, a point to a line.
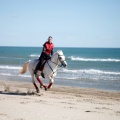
49	47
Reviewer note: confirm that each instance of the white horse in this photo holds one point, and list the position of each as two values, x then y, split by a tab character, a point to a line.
49	71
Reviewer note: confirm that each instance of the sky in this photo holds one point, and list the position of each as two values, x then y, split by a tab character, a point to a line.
71	23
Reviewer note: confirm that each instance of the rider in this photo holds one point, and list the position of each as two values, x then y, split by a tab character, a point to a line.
46	53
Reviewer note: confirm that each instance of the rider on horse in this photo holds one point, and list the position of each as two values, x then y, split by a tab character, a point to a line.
46	53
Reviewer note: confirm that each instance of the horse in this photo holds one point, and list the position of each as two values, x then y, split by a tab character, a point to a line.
49	70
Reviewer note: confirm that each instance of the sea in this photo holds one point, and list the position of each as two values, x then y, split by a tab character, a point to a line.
97	68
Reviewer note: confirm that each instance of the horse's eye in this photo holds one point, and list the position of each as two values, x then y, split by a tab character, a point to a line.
60	58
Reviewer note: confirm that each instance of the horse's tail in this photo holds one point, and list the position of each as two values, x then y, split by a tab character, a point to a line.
25	68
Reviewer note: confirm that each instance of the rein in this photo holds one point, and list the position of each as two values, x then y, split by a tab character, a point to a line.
54	63
51	67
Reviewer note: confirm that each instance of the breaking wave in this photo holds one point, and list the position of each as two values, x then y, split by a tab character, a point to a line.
10	67
34	55
94	59
91	71
15	75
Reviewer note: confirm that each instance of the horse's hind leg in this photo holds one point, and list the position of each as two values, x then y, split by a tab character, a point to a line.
37	89
33	81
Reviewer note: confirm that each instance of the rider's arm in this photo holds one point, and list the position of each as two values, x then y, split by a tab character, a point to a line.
44	52
52	52
44	49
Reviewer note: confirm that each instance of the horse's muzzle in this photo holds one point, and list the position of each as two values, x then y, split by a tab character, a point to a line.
64	63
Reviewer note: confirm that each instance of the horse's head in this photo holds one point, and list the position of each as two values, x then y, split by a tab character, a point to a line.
61	58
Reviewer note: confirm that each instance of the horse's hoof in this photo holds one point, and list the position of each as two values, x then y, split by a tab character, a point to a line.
41	86
46	89
38	94
37	91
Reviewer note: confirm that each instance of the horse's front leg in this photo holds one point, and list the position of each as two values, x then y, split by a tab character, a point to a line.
41	83
50	85
51	82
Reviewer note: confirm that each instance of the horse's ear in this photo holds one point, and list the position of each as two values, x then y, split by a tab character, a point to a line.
59	51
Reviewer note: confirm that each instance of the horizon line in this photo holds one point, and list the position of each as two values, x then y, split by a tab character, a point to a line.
59	47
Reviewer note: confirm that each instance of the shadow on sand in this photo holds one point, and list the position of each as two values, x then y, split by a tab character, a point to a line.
19	93
13	93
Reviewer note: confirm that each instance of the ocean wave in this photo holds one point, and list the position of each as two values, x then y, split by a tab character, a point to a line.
26	76
10	67
91	71
67	78
11	58
15	75
7	74
34	55
77	78
94	59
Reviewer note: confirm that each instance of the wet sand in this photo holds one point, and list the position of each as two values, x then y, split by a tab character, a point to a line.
19	101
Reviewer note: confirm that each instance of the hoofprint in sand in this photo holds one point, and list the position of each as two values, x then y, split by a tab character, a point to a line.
18	101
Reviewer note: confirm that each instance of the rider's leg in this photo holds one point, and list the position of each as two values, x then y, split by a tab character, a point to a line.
39	65
41	60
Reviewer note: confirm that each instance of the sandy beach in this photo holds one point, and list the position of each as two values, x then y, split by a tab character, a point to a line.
18	101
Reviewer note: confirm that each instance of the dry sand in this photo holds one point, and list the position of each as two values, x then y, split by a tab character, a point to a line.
18	101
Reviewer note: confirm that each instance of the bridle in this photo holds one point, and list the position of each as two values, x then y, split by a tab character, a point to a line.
57	59
55	63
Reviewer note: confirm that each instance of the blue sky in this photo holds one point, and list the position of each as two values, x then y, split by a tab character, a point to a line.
71	23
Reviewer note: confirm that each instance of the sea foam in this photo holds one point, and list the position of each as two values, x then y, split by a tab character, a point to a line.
90	71
94	59
34	55
10	67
